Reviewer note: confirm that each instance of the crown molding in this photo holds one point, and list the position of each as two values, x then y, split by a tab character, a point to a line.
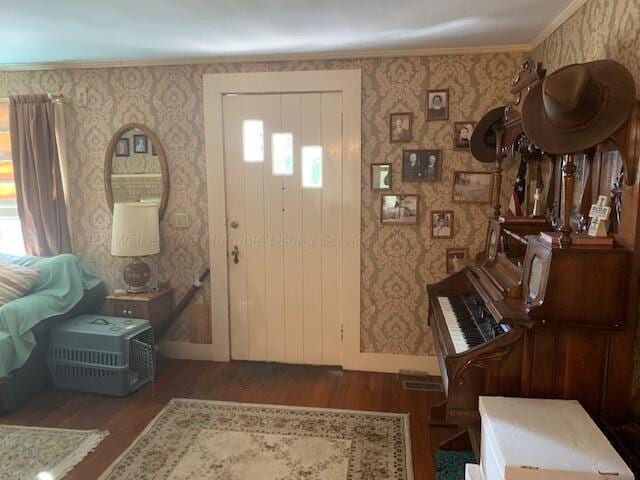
424	52
572	8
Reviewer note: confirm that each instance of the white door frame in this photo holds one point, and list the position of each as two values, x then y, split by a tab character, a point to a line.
348	82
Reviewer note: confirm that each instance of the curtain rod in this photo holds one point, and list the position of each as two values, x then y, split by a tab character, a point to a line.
55	97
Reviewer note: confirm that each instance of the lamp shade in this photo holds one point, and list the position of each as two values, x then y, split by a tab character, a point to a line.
136	230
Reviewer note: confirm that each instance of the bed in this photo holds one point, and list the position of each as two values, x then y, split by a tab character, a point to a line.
65	287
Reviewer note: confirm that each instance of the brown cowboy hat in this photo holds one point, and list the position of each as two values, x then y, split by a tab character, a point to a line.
483	138
578	106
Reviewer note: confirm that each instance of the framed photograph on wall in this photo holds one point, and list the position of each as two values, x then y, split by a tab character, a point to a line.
381	176
400	127
437	105
421	165
472	187
462	135
122	148
140	144
399	209
441	224
456	258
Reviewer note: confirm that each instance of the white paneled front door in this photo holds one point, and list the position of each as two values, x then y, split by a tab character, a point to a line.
283	164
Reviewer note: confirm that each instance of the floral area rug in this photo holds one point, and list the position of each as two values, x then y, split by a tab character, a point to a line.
232	441
29	453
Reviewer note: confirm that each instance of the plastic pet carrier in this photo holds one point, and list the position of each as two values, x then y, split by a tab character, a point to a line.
100	354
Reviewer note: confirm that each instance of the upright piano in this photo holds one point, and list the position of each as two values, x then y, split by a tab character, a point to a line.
539	318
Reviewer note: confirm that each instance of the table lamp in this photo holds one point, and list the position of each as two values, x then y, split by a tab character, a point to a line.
135	233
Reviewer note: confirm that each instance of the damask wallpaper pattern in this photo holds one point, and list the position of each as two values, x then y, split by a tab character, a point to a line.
601	29
397	261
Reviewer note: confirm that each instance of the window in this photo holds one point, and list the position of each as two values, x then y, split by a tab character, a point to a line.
312	167
282	153
10	231
253	141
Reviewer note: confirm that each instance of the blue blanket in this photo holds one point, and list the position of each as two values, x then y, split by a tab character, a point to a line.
60	285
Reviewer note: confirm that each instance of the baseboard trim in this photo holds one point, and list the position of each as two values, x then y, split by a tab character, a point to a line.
187	351
391	363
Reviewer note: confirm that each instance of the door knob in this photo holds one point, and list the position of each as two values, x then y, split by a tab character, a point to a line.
234	224
236	253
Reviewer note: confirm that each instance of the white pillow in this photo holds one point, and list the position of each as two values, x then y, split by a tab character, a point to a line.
15	281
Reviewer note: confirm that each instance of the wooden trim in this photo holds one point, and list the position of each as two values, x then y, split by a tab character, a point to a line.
435	212
453	197
391	363
426	105
349	55
390	177
391	140
570	9
188	351
162	158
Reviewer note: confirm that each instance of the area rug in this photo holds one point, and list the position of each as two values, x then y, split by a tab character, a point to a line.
235	441
47	453
450	465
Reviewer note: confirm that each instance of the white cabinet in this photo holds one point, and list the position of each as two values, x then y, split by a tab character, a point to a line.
534	439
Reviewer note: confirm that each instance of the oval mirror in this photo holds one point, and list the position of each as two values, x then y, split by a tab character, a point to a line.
135	168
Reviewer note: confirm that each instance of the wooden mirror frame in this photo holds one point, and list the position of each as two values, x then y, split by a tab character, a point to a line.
162	158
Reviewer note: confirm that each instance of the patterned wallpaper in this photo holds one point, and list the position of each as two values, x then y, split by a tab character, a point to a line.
397	261
601	29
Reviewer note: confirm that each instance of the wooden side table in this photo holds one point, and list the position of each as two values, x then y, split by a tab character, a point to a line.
153	306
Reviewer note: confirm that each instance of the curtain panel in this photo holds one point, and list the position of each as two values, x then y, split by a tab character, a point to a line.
38	177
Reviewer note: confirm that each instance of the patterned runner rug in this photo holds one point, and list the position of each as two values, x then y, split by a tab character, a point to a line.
233	441
30	453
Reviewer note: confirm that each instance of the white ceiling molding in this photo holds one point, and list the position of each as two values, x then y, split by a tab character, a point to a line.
572	8
425	52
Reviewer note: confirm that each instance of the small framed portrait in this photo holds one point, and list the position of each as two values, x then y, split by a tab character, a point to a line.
462	135
399	209
421	165
456	259
381	176
437	105
140	144
442	224
122	148
153	150
400	127
472	187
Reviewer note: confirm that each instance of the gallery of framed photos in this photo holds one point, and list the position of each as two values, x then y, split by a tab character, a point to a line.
425	165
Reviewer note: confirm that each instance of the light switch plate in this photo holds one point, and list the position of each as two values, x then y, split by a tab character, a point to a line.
181	220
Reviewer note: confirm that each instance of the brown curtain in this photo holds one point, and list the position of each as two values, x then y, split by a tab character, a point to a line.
36	167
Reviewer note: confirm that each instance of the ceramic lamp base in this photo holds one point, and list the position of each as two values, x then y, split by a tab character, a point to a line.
136	276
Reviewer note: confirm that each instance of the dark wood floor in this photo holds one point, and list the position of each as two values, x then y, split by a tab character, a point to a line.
248	382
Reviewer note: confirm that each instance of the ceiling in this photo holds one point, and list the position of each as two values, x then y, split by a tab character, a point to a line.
43	31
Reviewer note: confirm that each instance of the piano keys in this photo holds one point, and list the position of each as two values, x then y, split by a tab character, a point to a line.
541	336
